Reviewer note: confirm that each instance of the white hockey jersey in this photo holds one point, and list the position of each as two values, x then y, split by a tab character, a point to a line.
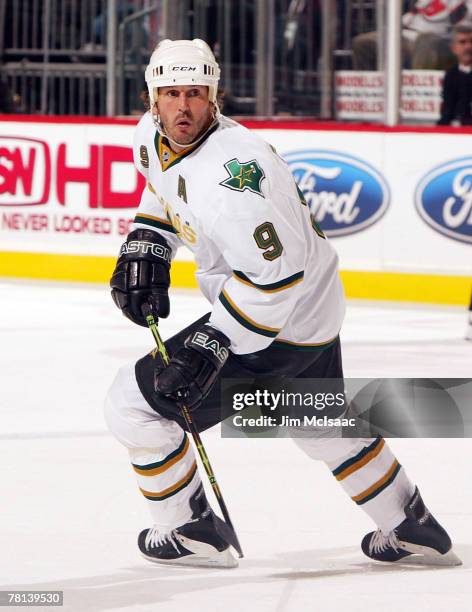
262	262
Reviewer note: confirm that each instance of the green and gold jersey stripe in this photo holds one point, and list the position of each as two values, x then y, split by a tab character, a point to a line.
152	469
362	458
378	486
300	346
301	195
157	222
244	320
285	283
178	486
317	228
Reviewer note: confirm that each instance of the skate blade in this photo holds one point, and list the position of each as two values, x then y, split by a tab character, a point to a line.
423	555
217	560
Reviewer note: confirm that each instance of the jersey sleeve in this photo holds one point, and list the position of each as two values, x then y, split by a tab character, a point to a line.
265	247
150	213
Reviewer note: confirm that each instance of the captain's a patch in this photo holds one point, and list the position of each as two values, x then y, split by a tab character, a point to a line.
244	175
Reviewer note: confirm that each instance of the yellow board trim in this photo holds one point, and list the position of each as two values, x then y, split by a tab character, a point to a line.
82	268
406	287
394	286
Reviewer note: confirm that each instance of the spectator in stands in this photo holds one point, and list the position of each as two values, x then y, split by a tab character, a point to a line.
457	85
425	36
136	32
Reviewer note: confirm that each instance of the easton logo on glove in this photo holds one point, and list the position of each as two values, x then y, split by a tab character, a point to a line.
210	344
143	248
141	276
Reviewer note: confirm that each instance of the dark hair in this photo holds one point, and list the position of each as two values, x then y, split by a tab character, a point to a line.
144	97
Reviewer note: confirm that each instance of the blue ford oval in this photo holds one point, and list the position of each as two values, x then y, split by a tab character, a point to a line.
443	199
345	194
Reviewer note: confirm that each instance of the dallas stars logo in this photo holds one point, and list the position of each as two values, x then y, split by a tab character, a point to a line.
244	175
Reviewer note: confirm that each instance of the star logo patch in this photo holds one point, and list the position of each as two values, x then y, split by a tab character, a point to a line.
244	175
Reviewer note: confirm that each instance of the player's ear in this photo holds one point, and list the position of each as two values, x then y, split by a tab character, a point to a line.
154	102
155	98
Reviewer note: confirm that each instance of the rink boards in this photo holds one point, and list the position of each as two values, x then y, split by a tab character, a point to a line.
397	202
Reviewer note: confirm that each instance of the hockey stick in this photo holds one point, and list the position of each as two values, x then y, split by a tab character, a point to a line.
226	528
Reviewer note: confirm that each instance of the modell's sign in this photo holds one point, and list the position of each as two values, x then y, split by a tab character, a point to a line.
344	193
30	171
360	95
443	199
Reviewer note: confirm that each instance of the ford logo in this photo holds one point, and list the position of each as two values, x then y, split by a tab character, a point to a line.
344	193
443	199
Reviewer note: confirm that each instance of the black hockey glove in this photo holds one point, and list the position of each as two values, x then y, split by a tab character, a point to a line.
193	370
142	275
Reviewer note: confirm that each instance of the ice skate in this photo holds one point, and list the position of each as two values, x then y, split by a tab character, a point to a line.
197	543
419	539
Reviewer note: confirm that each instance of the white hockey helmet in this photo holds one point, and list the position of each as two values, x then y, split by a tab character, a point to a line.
183	62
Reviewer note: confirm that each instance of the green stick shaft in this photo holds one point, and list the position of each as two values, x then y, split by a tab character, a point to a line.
195	435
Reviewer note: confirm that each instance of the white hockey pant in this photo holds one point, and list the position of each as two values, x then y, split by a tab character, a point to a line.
164	462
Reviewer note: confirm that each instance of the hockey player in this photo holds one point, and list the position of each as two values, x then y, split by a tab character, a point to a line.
277	306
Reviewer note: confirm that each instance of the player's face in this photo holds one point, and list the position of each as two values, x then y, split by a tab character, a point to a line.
185	111
462	48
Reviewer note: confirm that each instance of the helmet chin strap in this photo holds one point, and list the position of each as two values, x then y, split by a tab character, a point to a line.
161	129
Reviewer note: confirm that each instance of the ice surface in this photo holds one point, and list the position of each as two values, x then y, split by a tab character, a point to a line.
70	510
